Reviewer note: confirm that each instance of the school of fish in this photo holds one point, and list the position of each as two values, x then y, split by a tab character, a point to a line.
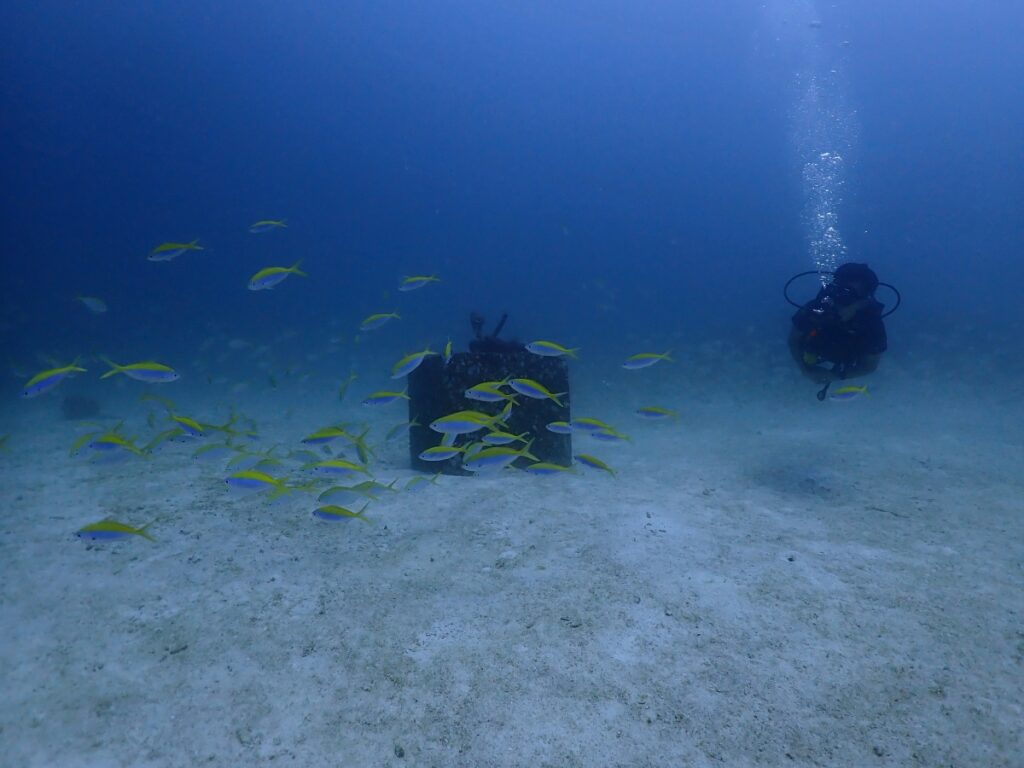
333	463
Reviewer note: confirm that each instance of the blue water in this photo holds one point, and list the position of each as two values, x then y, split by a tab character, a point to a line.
598	170
766	580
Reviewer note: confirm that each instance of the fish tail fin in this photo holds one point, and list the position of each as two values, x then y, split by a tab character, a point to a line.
668	356
114	368
294	269
144	530
363	517
226	427
195	245
525	452
283	489
557	401
75	366
572	353
362	447
866	391
80	441
278	492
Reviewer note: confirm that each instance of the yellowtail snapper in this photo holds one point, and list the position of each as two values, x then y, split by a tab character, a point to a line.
111	530
410	363
645	360
373	322
594	463
416	282
93	304
47	380
267	278
849	392
335	514
146	371
536	390
551	349
171	251
267	225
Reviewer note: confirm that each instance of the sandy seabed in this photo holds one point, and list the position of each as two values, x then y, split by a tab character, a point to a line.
770	581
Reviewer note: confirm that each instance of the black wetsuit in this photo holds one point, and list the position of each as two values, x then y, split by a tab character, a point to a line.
845	344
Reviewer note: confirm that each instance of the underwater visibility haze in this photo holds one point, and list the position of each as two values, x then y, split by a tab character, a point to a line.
273	489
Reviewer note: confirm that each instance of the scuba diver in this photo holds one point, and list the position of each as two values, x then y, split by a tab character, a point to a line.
840	334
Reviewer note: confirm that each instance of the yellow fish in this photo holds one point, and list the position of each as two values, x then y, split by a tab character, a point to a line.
93	304
171	251
111	441
417	281
325	435
267	225
594	463
47	380
191	427
147	371
338	467
848	392
343	389
656	413
544	468
410	363
373	322
588	424
335	513
645	360
536	390
255	480
111	530
267	278
551	349
384	397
